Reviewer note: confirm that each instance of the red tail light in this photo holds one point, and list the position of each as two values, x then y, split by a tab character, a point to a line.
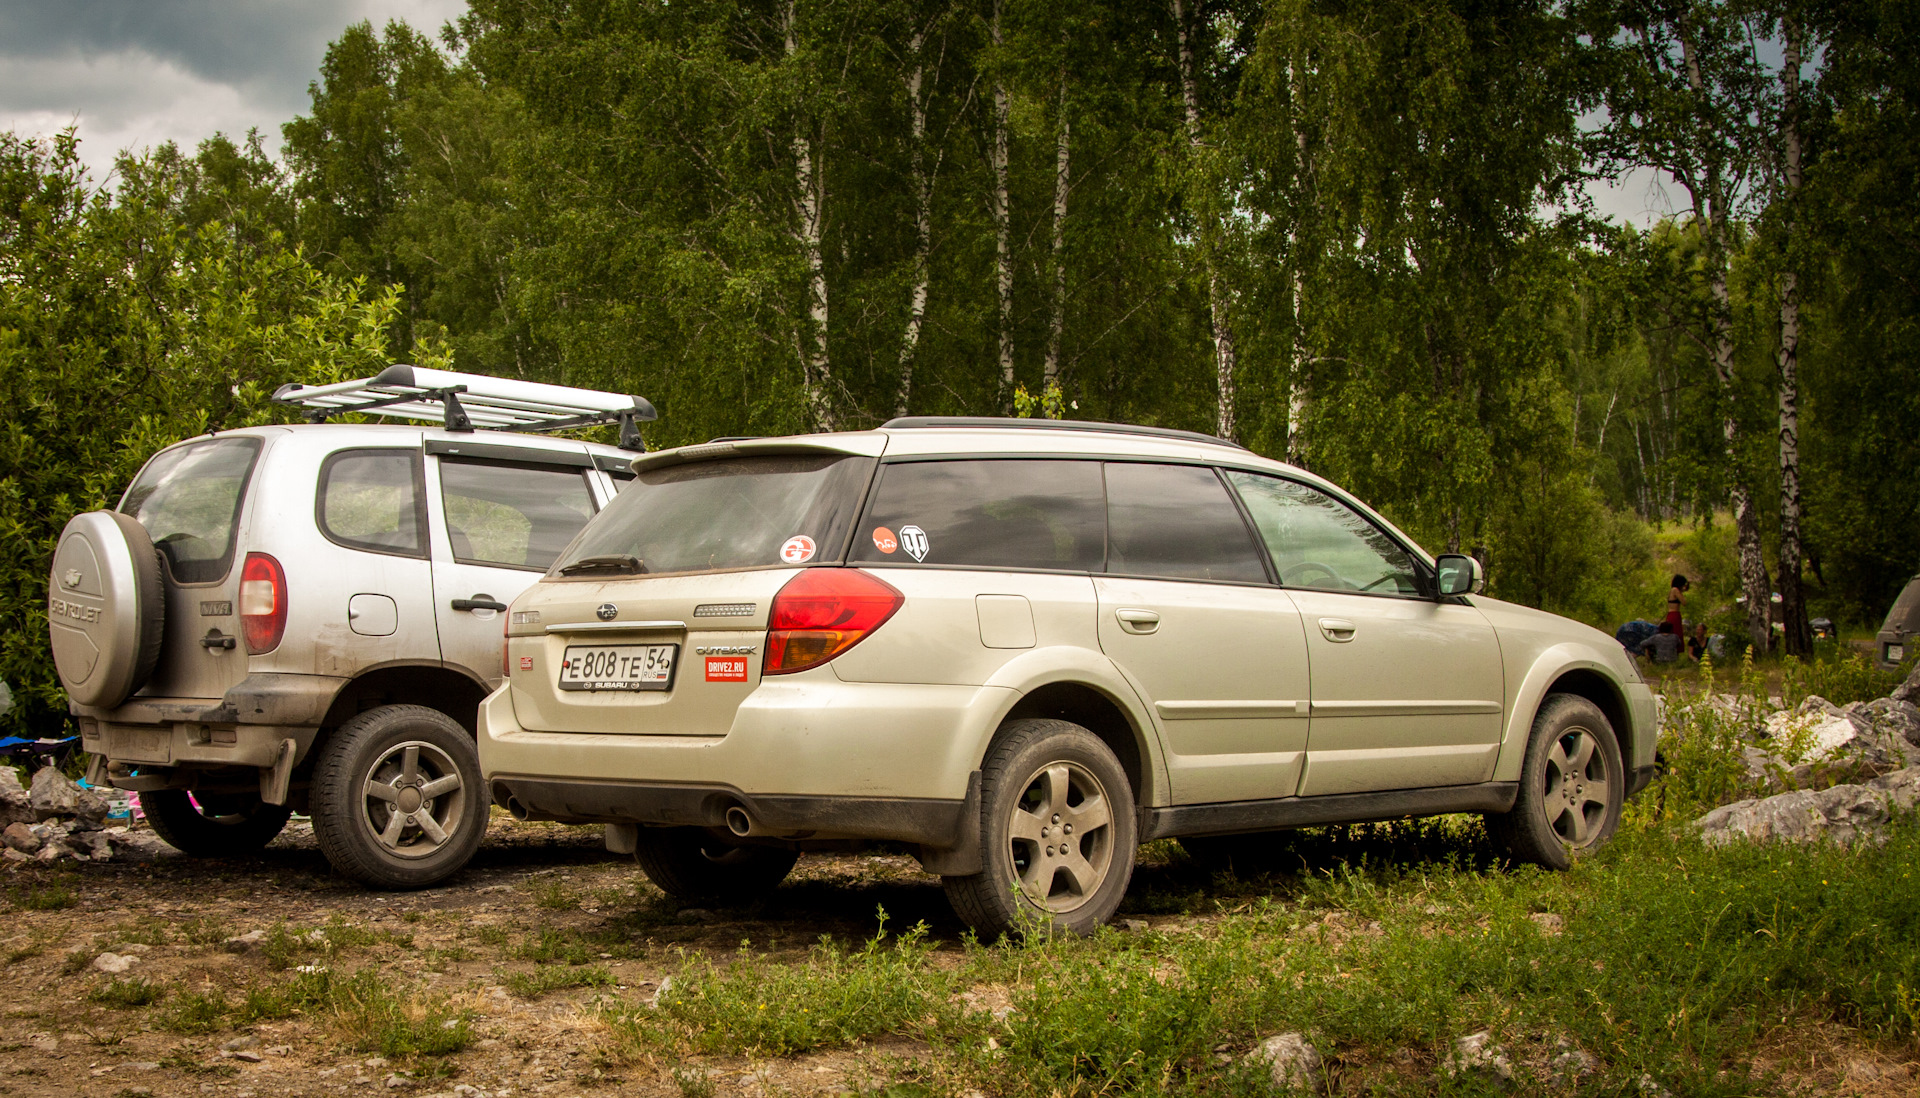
821	613
263	603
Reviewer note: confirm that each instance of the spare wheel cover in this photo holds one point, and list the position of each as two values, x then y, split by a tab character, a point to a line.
106	608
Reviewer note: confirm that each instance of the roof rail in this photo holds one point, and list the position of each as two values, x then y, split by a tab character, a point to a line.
908	423
464	402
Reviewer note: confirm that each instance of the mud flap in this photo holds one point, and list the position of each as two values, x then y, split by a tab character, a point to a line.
963	858
274	779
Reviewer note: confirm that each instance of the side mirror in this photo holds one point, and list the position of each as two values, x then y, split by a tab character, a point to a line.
1458	574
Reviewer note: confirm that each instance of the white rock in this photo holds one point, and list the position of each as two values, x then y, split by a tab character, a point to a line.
15	806
1291	1060
1477	1054
1841	814
1573	1065
114	963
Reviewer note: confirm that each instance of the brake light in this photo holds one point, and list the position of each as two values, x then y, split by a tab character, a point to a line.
821	613
263	603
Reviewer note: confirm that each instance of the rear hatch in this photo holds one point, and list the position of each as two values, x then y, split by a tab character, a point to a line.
654	621
189	497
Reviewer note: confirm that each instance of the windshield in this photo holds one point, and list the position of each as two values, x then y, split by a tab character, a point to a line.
746	512
188	498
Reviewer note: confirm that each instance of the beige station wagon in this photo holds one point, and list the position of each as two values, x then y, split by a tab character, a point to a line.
1022	648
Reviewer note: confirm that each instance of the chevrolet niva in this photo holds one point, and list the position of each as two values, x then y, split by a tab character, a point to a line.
306	617
1023	648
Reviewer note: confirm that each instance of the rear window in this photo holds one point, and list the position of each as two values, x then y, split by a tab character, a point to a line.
188	498
512	515
1046	514
707	516
1177	522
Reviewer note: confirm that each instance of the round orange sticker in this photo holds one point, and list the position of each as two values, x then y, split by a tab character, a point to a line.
884	540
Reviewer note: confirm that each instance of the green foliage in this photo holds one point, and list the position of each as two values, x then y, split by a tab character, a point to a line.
195	1012
1841	677
532	985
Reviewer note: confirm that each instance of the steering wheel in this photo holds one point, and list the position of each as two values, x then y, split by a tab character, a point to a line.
1390	576
1290	575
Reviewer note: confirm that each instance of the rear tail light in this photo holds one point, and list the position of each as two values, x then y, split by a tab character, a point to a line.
263	603
821	613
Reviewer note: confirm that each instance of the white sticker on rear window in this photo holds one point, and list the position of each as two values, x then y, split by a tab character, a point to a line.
797	550
914	541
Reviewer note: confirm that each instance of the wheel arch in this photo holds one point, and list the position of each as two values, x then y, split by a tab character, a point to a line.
1084	687
1564	669
433	685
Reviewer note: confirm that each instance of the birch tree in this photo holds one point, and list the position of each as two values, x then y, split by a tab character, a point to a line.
1798	636
1205	190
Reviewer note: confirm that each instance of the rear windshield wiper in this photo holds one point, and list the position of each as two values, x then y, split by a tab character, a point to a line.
624	563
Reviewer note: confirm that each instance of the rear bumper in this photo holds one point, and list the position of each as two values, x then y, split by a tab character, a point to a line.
243	728
935	823
809	739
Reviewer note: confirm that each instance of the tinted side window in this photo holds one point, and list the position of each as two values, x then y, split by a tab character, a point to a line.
1317	541
993	514
1177	522
188	498
512	514
370	499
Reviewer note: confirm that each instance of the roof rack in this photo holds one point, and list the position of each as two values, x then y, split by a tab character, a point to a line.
915	422
464	402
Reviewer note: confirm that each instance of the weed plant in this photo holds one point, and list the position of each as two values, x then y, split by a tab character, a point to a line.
1840	676
53	897
195	1012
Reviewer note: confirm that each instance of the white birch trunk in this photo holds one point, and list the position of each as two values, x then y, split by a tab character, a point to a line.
1062	179
1753	566
922	223
1799	635
1224	355
809	206
1002	223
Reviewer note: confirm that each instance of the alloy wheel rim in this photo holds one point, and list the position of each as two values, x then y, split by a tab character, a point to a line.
412	798
1061	837
1579	791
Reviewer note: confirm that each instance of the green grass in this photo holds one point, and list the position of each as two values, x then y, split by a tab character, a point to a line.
52	897
832	997
195	1012
532	985
128	993
552	946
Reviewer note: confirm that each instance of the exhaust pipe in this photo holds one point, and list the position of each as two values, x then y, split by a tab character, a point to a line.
739	822
518	810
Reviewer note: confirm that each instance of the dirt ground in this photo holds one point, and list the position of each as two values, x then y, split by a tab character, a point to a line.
172	915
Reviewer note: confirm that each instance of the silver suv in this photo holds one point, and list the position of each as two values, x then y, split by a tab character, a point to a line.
307	617
1023	648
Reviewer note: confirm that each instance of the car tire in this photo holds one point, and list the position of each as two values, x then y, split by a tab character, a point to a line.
396	797
1572	786
220	825
693	865
1041	780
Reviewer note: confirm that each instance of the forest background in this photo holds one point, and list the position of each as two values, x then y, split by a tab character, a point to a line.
1352	235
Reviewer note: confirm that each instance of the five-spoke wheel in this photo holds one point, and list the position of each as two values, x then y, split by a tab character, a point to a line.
1572	785
396	800
1056	833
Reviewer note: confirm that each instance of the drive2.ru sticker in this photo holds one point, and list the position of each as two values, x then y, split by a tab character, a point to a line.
726	669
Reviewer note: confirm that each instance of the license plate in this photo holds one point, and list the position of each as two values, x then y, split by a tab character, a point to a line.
619	667
1896	653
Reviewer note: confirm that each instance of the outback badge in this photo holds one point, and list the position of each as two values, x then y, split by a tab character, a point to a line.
607	611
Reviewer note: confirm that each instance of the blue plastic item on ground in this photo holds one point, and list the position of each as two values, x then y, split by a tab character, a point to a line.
1633	635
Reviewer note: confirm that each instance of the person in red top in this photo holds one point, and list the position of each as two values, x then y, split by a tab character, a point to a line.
1676	596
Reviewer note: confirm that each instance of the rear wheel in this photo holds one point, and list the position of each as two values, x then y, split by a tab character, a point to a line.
213	825
695	866
1572	786
1056	830
396	800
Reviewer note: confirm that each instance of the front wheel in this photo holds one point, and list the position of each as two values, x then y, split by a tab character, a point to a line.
1056	831
396	797
213	825
1572	786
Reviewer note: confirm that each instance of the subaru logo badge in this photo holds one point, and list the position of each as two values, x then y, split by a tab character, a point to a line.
608	611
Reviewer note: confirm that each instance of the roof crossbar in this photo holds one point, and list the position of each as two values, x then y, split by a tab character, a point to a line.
466	402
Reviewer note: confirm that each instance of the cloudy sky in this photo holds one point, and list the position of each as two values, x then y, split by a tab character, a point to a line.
137	73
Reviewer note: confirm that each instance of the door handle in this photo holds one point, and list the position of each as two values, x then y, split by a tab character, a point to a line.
1337	630
216	639
1137	621
479	602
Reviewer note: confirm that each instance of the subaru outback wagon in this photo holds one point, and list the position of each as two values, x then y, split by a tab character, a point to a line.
1023	648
